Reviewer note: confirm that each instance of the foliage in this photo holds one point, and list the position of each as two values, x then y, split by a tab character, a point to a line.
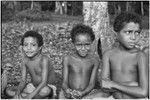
7	14
34	15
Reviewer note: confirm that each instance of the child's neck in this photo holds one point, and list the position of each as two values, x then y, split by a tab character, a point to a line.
80	57
35	57
132	50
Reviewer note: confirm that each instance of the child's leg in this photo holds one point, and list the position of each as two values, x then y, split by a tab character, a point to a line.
97	94
10	92
46	92
28	89
61	95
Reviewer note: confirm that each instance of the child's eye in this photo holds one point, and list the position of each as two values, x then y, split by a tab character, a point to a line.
25	45
34	44
78	44
137	32
87	45
128	32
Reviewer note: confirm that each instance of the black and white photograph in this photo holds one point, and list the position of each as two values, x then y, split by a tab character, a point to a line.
75	49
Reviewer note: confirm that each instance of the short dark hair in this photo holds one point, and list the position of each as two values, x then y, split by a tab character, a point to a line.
82	29
33	34
125	17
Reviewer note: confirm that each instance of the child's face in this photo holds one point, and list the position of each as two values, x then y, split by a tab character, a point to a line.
30	47
129	35
82	44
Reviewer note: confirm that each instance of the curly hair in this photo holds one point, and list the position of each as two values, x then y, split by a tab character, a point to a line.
33	34
82	29
125	17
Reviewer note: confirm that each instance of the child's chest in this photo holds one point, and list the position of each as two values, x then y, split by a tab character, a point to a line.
81	65
124	62
34	68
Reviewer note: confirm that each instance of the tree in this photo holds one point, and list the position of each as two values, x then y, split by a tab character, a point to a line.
32	4
142	9
58	8
96	16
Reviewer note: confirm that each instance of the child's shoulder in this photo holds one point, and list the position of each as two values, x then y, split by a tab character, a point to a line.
94	56
145	49
140	54
67	57
44	57
110	51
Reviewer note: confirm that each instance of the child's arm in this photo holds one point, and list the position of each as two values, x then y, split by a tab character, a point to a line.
105	73
65	73
106	66
142	89
23	81
92	79
45	65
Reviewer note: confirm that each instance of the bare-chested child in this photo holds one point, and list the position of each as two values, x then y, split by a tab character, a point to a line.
125	67
39	68
80	68
146	50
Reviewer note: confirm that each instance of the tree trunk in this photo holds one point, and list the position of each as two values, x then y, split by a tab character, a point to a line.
64	4
142	10
96	16
58	8
32	4
127	6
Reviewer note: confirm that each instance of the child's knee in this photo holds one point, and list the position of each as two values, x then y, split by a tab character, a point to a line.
24	94
29	88
46	91
10	92
62	95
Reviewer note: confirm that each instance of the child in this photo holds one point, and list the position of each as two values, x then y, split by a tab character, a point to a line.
125	67
79	68
146	50
4	82
38	66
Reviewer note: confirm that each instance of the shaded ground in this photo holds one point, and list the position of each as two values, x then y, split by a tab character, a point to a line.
64	18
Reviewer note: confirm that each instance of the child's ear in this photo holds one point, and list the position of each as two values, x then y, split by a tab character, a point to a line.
40	48
20	48
115	36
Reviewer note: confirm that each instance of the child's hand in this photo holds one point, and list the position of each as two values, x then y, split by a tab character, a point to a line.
107	83
17	97
27	97
76	94
68	93
68	90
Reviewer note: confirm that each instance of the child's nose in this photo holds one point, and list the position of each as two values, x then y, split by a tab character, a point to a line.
133	36
83	47
29	47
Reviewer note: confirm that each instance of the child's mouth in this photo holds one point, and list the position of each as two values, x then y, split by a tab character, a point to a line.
83	52
131	43
29	52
